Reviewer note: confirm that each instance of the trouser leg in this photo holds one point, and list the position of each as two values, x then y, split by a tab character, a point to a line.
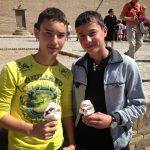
135	39
138	38
131	30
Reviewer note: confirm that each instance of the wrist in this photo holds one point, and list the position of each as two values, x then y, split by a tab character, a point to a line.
116	120
113	122
30	131
27	128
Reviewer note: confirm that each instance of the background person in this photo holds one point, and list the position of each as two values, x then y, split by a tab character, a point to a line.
124	36
113	84
110	21
120	30
29	84
130	13
69	29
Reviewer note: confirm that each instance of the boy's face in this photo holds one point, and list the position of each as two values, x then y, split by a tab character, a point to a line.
91	37
51	36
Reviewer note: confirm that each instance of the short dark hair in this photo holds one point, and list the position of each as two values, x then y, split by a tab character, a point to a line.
53	14
110	10
35	25
89	16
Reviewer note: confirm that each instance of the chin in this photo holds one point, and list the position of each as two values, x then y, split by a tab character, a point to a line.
92	51
52	51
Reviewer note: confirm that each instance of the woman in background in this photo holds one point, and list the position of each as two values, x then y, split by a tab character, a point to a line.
110	21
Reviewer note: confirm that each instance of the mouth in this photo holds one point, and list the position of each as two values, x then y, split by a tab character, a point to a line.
90	46
52	49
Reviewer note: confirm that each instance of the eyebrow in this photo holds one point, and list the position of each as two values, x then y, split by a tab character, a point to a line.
52	31
91	30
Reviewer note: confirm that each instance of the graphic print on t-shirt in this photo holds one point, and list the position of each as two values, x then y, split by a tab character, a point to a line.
37	94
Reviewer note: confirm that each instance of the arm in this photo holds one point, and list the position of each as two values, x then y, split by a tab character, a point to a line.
67	119
143	10
105	20
68	127
134	95
45	129
7	92
125	18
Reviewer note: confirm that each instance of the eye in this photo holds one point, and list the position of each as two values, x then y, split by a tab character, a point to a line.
81	36
61	35
47	34
93	33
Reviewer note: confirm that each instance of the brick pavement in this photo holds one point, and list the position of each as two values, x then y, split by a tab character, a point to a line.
72	48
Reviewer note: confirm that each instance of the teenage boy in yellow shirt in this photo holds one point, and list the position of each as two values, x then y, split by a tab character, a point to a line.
29	84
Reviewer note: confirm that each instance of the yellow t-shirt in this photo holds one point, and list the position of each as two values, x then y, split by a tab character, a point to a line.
25	91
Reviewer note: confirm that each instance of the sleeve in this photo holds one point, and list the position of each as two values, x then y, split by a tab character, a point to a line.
124	10
7	90
105	20
66	102
116	21
134	93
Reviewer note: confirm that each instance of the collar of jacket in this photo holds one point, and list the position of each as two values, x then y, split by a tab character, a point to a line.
114	58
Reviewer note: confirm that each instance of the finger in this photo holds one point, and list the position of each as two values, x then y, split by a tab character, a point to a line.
52	129
48	137
95	125
49	134
51	124
92	117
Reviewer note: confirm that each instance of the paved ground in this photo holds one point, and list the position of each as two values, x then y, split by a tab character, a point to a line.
14	47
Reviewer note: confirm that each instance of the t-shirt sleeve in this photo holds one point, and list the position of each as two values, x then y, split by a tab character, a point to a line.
66	99
7	90
125	9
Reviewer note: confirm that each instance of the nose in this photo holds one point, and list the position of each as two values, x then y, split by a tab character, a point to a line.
88	39
54	40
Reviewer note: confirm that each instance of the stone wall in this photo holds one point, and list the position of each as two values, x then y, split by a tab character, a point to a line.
72	9
141	131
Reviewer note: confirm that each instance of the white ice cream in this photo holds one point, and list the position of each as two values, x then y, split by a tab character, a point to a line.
52	112
86	108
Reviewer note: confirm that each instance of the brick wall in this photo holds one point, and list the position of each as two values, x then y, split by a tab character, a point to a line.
72	9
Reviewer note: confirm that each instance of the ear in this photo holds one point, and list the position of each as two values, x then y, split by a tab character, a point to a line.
36	33
105	29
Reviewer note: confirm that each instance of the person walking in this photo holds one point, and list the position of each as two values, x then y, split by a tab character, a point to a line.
130	13
30	84
69	29
110	21
111	82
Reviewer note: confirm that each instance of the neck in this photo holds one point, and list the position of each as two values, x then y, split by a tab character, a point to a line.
100	55
50	61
